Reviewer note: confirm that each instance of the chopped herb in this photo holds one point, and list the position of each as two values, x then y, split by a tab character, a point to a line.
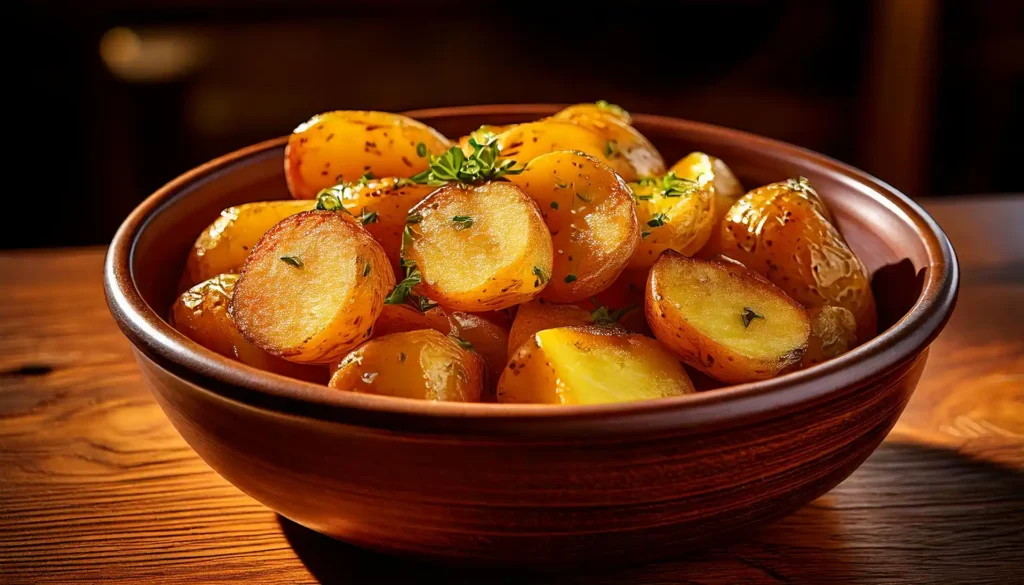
643	235
611	108
647	197
542	277
462	222
673	185
560	185
292	260
658	220
368	217
401	356
463	343
404	289
421	150
749	315
570	278
647	181
414	218
584	198
424	304
554	205
603	317
611	149
366	178
455	166
366	268
329	199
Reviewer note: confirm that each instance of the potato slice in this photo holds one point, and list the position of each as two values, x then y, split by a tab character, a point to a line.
312	288
201	314
342	146
591	365
479	248
590	213
525	142
780	231
674	214
223	246
426	364
381	206
622	141
833	333
723	320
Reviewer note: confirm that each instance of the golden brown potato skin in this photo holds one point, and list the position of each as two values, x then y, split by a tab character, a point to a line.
833	333
782	233
425	365
591	365
201	314
525	142
223	246
342	146
381	206
722	183
489	261
623	140
538	315
589	211
679	219
597	109
323	302
697	307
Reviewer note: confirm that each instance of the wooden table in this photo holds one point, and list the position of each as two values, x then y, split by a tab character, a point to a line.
95	484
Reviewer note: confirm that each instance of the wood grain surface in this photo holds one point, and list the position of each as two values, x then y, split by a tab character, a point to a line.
96	486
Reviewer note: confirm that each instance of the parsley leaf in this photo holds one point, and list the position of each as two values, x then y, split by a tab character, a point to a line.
455	166
462	222
658	220
603	317
366	178
368	217
421	150
292	260
749	315
617	110
542	277
570	278
404	289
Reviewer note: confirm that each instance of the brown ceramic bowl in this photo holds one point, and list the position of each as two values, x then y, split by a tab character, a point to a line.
539	485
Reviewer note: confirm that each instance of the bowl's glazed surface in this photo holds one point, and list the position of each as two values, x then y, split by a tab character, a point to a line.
539	485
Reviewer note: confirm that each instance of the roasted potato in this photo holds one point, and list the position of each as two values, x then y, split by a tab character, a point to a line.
400	318
538	315
723	320
381	206
222	247
597	109
780	231
425	364
590	214
526	142
718	177
312	288
591	365
674	214
342	146
622	139
478	248
201	314
833	332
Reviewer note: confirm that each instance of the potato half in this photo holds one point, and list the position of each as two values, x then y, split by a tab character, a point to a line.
479	248
538	315
596	109
700	167
525	142
590	214
591	365
201	314
342	146
674	214
622	141
724	320
223	246
780	231
312	288
425	364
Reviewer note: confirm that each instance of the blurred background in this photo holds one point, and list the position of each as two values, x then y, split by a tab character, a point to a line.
116	97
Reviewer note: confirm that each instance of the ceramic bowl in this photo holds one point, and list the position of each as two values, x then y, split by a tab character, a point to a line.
539	485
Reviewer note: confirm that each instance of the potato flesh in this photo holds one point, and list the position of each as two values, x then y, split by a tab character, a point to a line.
587	365
833	333
318	311
425	365
590	214
224	245
342	146
201	314
493	262
783	235
698	309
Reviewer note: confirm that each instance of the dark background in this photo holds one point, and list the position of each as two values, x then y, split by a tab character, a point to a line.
116	97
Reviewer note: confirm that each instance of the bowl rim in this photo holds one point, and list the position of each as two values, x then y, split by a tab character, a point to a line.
900	344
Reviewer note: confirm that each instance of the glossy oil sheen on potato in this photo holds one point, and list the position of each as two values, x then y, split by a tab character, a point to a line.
538	315
425	365
723	320
312	288
726	188
201	314
622	141
781	232
223	246
479	248
591	365
679	218
525	142
342	146
590	214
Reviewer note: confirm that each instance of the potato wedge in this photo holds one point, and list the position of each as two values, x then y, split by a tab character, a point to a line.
526	142
597	109
479	248
724	321
622	140
201	314
223	246
343	146
591	365
590	215
674	214
312	288
833	333
426	364
381	206
780	231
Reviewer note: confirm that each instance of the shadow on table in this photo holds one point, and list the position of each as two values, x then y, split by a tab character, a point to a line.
911	512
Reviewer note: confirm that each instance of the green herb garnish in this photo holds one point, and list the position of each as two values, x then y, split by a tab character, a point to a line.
462	222
611	108
542	277
658	220
611	149
414	218
292	261
554	205
368	217
643	235
329	199
570	278
421	150
673	185
603	317
749	315
366	178
366	268
403	289
462	343
454	166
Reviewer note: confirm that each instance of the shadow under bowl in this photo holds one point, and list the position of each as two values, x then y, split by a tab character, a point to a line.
539	486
